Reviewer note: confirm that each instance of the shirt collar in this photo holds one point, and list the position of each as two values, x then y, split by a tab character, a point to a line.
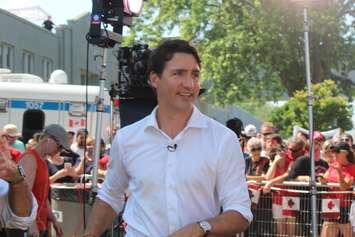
197	119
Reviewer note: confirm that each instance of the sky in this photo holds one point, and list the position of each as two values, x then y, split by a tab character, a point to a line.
61	10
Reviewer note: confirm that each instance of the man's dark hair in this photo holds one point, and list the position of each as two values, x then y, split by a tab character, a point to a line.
82	131
276	137
236	125
165	52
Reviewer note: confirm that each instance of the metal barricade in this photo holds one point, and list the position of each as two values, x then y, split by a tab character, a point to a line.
286	210
68	202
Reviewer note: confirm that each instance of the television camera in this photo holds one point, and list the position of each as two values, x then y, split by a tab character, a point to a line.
117	13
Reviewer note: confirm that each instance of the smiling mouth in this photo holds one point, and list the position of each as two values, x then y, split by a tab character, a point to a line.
186	94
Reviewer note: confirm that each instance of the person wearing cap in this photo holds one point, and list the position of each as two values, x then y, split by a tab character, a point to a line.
18	207
248	132
342	171
52	141
12	134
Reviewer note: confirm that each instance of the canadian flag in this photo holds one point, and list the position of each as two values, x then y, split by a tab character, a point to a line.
330	206
254	192
290	203
76	123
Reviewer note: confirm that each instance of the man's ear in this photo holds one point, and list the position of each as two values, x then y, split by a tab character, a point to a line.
153	77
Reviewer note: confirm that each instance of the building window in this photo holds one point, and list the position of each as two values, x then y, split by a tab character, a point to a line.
28	62
6	56
47	68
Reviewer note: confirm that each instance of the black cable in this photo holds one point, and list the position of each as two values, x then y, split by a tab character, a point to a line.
86	125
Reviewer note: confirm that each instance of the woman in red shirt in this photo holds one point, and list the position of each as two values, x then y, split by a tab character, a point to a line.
341	171
52	141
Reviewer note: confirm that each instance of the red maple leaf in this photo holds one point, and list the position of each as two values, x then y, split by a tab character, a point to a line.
330	205
290	203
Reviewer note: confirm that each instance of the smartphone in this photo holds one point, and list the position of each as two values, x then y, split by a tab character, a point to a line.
90	151
67	165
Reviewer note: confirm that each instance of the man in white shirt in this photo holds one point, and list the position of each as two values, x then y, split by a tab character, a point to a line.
18	207
180	166
79	145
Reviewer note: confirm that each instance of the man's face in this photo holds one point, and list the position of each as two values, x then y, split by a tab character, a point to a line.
70	138
81	140
347	140
178	86
295	149
270	143
266	131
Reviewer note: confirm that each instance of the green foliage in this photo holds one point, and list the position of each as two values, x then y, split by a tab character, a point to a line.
330	110
253	49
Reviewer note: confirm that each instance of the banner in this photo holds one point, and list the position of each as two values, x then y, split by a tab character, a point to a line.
290	203
330	206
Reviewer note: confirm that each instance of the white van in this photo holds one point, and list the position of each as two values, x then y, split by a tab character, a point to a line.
32	104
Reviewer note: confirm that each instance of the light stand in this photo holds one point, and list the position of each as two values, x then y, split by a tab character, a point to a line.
99	110
313	185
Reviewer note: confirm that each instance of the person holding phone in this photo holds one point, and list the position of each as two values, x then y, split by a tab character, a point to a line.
61	169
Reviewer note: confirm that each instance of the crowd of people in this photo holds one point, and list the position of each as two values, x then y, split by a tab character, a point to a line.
271	159
186	174
50	156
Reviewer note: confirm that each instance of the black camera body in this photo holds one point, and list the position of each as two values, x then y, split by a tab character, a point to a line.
133	79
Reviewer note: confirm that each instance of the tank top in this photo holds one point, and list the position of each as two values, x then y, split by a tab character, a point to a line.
40	190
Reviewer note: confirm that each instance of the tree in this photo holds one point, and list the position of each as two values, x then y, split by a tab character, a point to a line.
253	49
330	110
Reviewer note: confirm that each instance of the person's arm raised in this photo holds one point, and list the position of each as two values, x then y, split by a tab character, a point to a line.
20	198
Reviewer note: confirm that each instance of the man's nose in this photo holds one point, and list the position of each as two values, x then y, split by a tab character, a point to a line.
189	82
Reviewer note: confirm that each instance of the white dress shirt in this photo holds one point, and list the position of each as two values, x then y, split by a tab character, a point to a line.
171	188
8	218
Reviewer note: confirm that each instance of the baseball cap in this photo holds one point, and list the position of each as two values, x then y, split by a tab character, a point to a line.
250	130
318	136
59	133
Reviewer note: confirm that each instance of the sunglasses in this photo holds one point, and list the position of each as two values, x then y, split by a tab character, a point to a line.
294	150
255	149
339	151
59	147
267	133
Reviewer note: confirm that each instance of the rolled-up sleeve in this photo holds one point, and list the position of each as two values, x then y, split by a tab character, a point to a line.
231	181
116	180
16	222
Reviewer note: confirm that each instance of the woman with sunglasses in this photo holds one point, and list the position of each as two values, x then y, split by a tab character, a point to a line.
256	165
51	142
